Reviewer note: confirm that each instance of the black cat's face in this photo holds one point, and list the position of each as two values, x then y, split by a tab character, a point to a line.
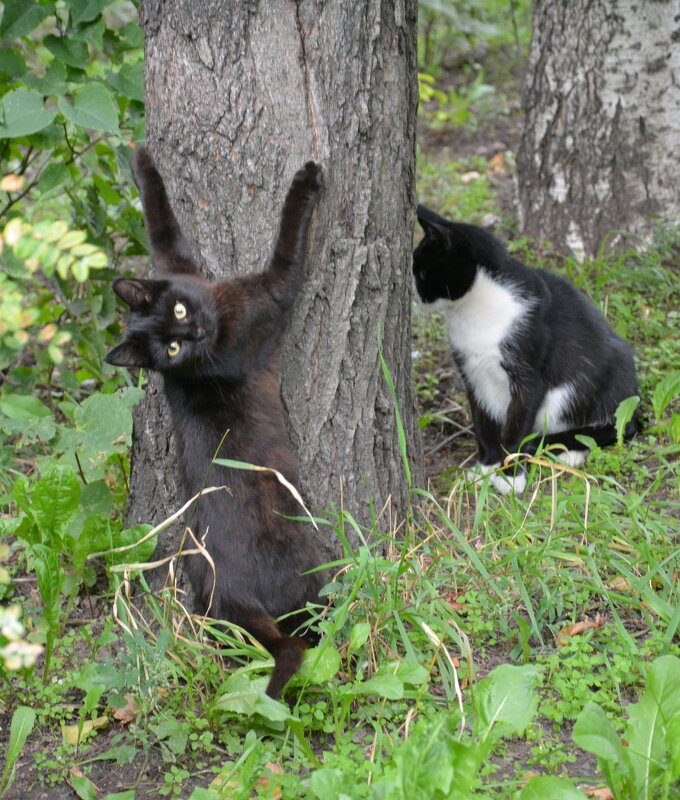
441	268
173	327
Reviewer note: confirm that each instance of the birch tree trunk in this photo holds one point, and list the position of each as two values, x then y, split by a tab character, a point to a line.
599	148
239	94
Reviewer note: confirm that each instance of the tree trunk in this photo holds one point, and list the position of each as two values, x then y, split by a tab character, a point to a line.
598	152
239	95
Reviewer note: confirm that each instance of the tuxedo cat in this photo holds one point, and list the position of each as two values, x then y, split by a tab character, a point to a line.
535	355
217	347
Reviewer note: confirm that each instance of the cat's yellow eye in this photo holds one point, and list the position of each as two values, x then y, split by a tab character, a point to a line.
173	349
180	310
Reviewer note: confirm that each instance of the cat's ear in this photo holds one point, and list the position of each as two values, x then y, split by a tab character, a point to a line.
432	229
127	354
138	293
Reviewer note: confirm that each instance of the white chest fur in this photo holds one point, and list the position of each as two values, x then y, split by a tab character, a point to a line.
478	323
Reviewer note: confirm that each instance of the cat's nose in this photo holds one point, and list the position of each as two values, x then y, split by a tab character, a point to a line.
200	334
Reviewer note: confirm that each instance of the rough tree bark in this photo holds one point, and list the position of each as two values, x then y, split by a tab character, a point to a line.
239	94
598	151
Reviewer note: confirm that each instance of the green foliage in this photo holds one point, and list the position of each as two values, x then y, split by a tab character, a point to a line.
72	102
23	720
649	765
456	107
452	31
458	190
441	759
666	396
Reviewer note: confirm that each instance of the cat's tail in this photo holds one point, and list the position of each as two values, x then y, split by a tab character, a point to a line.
287	651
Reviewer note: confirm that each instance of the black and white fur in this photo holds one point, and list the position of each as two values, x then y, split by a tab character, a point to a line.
536	356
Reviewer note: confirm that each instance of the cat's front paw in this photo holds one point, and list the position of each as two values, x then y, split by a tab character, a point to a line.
504	482
309	179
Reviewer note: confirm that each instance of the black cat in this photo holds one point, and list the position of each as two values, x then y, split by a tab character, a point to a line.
217	347
535	355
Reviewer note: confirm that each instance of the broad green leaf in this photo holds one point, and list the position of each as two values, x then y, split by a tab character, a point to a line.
664	392
52	82
134	555
20	17
50	577
674	753
108	193
272	710
23	721
129	81
358	636
12	63
95	498
327	782
624	414
649	745
240	697
82	786
36	429
389	686
70	51
23	407
545	787
53	176
411	673
588	441
173	733
424	762
102	427
22	112
55	499
506	700
86	10
132	36
98	535
433	763
71	239
594	732
93	107
199	793
320	665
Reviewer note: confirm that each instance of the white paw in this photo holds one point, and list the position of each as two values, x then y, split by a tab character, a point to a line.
509	483
485	469
572	458
504	482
